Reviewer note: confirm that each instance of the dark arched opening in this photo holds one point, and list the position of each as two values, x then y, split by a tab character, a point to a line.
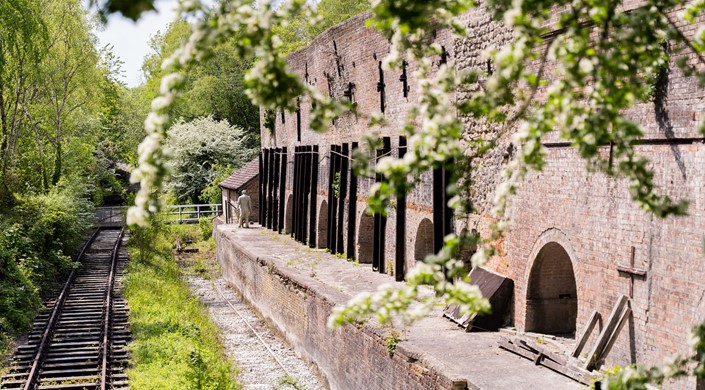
365	238
289	215
552	298
322	239
423	246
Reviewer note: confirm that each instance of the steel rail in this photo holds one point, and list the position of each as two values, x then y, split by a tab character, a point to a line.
259	337
108	311
54	315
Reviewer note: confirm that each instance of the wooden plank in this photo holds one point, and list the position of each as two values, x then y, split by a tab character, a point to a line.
631	270
622	321
506	344
604	336
585	334
571	372
556	357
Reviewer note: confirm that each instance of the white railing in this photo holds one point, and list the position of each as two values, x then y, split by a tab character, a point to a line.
184	213
191	213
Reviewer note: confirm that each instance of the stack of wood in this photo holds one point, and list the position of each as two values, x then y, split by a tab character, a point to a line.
582	368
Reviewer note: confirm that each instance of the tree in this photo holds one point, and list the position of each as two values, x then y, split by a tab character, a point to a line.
69	71
23	35
198	147
214	88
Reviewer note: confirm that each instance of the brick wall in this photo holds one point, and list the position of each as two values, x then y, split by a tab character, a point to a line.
567	224
353	357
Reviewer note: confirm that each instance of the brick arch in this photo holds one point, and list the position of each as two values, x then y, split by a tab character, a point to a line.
551	293
289	215
423	244
322	232
365	237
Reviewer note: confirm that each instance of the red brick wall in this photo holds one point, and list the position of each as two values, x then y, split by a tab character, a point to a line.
590	216
352	357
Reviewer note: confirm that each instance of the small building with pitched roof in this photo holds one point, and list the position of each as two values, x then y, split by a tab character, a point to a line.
245	178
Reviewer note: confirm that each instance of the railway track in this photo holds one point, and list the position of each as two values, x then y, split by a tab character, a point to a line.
78	341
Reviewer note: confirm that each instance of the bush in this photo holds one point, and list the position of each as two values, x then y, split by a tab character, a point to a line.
205	225
37	236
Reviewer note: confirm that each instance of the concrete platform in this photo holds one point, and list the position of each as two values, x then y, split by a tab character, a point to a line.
296	287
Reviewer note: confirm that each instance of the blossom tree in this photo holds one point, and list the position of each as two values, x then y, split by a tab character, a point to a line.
598	80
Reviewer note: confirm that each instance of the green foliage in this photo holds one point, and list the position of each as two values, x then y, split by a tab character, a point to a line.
132	9
289	382
56	95
270	118
336	185
36	237
212	193
391	342
176	345
205	225
213	88
299	31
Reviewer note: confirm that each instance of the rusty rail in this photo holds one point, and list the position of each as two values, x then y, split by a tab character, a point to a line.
78	348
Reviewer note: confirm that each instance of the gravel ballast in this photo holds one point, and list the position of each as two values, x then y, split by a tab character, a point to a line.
259	369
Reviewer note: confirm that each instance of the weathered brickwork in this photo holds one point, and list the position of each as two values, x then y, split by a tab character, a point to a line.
353	357
571	229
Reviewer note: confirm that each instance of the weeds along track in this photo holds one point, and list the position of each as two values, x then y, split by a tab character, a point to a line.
78	341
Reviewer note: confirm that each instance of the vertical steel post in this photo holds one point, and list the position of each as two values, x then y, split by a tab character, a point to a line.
314	197
331	177
341	199
282	190
400	255
352	208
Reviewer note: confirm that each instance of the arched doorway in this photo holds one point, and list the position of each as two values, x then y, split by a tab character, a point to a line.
423	246
289	214
365	238
552	298
322	239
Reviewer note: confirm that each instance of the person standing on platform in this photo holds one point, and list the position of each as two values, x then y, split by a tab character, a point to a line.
244	204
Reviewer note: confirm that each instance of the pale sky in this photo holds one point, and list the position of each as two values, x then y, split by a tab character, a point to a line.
131	40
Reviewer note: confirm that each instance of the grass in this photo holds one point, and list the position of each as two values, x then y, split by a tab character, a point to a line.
176	345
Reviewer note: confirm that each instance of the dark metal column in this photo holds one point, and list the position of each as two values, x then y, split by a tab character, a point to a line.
341	198
261	188
270	188
306	193
400	255
352	208
438	196
297	197
331	177
447	211
275	195
282	190
265	190
335	158
314	197
386	149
